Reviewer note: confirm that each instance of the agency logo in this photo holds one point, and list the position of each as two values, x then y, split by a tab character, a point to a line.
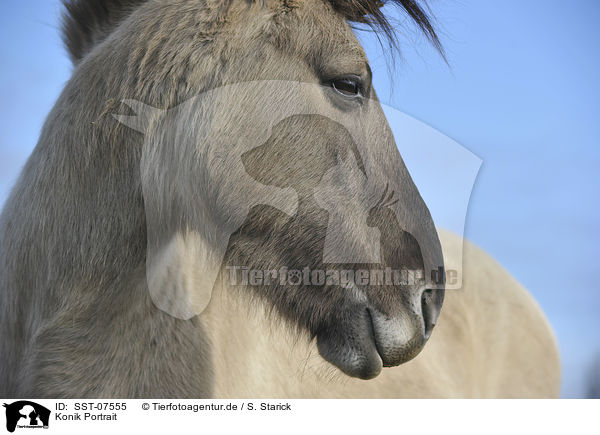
26	415
288	181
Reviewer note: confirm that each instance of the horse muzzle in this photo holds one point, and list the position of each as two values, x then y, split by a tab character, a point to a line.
363	339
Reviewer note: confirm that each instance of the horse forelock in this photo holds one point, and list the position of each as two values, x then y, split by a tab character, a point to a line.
87	23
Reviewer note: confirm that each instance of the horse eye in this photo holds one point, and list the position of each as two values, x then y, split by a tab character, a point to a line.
348	87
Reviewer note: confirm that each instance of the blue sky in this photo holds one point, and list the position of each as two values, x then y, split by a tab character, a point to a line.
522	93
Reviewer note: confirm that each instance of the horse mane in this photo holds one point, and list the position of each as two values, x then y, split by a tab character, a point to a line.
86	23
369	12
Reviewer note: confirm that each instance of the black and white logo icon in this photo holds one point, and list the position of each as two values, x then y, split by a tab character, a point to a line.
26	415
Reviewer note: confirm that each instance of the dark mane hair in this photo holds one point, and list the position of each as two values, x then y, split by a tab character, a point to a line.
86	23
369	12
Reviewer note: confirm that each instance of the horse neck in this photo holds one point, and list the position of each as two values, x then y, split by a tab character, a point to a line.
77	204
254	353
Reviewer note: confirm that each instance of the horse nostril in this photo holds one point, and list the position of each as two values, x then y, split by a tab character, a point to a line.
429	310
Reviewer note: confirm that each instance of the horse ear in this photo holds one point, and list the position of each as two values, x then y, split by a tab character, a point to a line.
143	117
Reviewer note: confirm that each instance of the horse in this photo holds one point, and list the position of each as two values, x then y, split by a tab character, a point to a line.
206	206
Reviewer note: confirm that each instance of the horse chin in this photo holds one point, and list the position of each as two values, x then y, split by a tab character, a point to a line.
365	341
350	346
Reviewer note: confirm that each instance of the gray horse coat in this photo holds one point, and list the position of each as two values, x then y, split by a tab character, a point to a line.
104	221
